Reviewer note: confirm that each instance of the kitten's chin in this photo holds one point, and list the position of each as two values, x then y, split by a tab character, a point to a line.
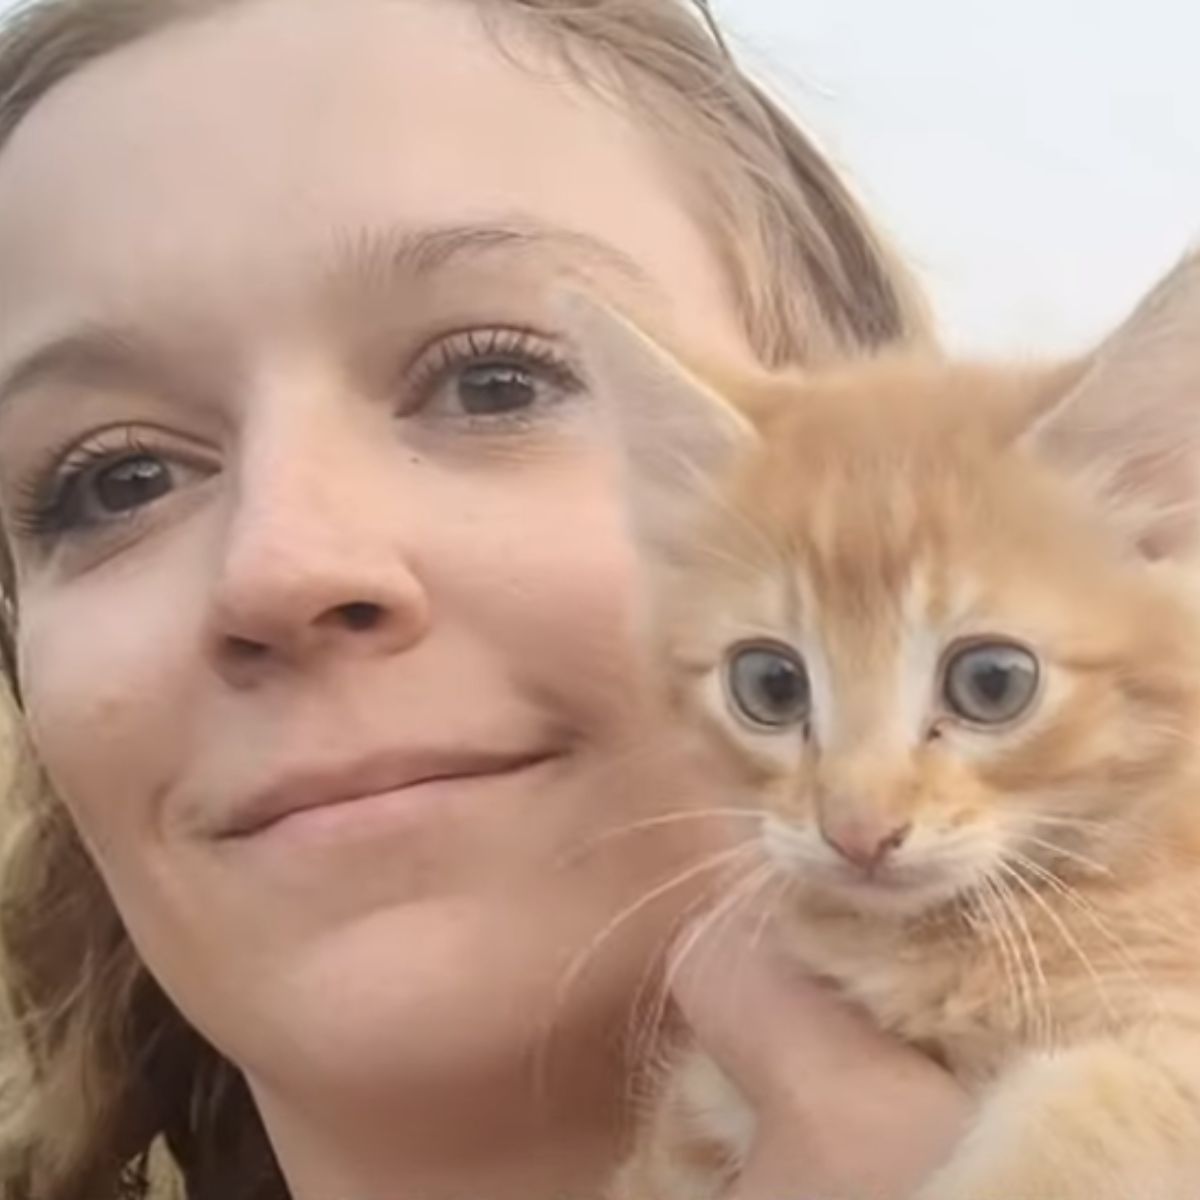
895	898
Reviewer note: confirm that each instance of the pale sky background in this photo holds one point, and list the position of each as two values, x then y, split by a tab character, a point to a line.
1037	160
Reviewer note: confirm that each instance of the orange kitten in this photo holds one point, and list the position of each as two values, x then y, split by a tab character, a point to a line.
938	620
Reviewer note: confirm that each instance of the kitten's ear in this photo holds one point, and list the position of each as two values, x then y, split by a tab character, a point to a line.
675	434
1128	424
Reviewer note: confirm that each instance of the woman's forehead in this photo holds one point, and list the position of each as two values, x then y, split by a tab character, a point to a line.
237	153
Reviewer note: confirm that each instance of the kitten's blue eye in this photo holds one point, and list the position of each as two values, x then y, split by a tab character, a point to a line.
990	683
768	685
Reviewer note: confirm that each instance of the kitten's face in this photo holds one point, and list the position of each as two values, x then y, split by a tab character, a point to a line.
923	606
940	672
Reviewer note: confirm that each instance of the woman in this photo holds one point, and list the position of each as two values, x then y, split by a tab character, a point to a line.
341	871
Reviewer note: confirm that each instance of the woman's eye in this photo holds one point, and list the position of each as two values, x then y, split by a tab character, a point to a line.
490	375
991	683
112	479
128	484
491	388
768	686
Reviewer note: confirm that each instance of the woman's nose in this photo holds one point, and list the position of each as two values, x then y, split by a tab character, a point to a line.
314	559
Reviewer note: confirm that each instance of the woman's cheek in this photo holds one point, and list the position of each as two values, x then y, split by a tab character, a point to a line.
564	561
105	694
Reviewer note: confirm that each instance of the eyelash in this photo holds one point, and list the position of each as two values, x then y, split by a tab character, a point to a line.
42	509
514	346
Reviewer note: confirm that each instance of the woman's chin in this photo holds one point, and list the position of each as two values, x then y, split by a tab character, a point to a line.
419	996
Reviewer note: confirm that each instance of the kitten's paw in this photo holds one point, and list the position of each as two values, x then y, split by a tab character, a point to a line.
978	1179
1096	1122
1028	1171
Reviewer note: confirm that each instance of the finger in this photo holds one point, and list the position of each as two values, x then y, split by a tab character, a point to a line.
824	1080
769	1025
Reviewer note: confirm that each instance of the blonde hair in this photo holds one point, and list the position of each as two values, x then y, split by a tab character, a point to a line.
100	1067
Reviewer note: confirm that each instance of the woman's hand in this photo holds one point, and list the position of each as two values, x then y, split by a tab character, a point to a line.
843	1109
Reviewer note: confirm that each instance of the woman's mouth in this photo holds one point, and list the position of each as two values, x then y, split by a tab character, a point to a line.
319	792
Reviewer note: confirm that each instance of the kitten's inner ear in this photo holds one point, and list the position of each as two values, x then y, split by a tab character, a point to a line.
1128	425
676	436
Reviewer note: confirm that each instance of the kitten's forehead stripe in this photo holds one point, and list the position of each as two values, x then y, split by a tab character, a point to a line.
870	498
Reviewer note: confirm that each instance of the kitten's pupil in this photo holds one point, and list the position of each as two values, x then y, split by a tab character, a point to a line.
779	685
991	683
768	685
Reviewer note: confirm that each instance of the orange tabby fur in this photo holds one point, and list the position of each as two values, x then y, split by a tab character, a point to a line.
870	516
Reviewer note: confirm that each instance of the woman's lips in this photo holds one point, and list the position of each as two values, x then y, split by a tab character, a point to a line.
313	787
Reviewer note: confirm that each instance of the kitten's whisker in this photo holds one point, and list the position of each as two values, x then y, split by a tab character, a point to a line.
637	754
1082	859
646	1018
742	891
1091	913
978	899
647	1014
1064	932
716	557
1112	833
578	964
753	884
1086	824
1028	999
657	822
711	489
1108	829
772	906
1076	821
1043	1024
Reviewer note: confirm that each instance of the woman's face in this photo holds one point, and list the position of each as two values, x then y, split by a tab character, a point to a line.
311	513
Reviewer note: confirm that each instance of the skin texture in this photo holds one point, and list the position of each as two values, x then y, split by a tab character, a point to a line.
343	564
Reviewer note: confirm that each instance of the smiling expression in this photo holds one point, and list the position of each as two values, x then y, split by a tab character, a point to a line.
324	593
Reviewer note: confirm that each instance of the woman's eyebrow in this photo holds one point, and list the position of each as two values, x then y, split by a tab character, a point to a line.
393	254
86	355
95	353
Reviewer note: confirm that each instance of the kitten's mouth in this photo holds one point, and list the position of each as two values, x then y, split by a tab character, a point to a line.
891	891
895	887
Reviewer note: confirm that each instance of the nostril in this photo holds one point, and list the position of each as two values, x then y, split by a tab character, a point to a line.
245	649
866	845
895	840
360	616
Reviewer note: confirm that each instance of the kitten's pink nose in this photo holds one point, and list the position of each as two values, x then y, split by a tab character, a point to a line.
866	842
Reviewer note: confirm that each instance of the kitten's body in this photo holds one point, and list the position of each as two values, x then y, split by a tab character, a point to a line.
1035	923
